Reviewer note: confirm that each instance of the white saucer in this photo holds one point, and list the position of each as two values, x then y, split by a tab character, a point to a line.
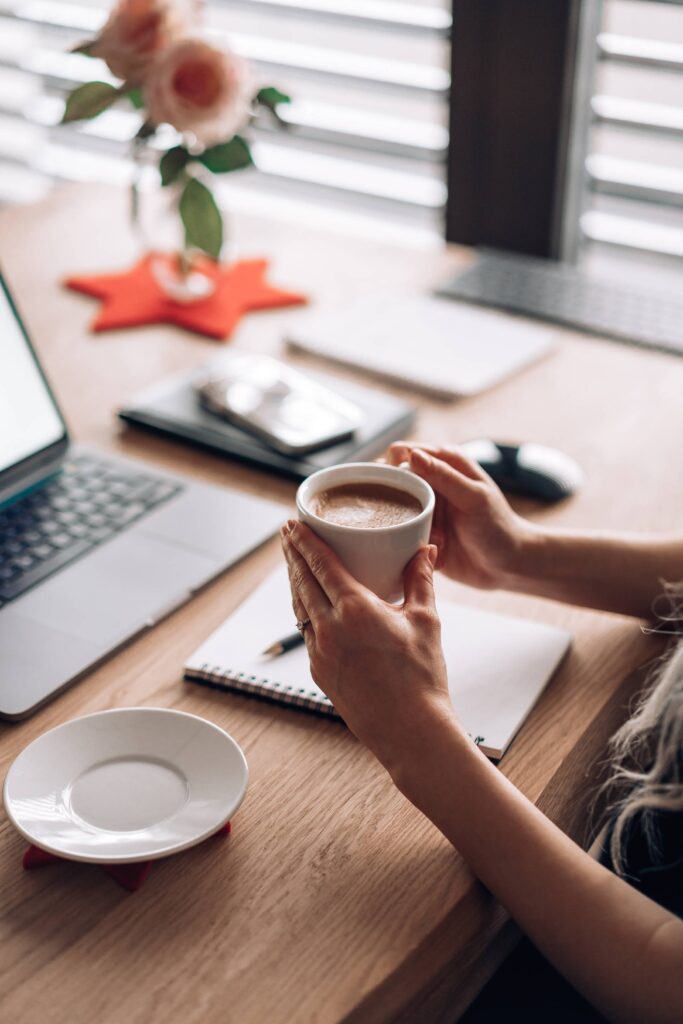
125	785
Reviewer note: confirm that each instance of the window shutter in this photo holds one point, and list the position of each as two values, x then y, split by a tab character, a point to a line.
634	169
368	121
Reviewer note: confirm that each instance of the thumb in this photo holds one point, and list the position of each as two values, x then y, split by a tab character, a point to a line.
418	579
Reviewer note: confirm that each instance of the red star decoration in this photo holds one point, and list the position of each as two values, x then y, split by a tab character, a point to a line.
135	297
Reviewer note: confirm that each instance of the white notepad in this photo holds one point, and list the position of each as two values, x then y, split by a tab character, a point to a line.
497	665
438	346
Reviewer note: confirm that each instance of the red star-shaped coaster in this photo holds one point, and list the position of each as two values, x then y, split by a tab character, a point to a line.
135	296
130	876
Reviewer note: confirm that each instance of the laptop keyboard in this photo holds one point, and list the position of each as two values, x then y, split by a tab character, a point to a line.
90	501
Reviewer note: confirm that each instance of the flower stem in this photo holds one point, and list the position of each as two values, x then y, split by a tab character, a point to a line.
184	261
137	148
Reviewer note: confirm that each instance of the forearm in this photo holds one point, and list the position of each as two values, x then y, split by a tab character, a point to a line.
612	572
592	926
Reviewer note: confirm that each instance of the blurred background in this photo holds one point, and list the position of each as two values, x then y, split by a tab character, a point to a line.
369	138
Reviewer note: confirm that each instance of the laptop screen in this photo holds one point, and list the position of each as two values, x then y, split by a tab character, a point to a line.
29	419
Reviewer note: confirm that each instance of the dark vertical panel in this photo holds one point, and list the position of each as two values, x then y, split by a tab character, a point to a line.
509	122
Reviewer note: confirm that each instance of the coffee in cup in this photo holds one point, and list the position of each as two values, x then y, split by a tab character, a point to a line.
375	517
365	506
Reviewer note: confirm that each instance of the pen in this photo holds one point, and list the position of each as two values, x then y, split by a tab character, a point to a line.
286	644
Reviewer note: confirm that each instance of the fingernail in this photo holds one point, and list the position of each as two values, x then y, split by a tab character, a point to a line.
419	456
433	553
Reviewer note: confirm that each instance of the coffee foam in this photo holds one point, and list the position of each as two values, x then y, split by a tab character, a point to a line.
365	505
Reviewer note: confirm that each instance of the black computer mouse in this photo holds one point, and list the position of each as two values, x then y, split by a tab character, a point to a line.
529	469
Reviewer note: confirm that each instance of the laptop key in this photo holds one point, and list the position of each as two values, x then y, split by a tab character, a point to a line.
42	551
118	489
78	530
60	540
128	513
24	561
84	508
96	520
12	588
66	518
77	493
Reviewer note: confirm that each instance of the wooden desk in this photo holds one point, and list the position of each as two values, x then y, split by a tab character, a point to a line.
333	899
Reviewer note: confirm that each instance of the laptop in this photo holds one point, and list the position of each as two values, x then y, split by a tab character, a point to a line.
93	548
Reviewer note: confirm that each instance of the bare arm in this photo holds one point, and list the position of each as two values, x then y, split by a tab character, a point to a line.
613	572
482	542
382	667
622	951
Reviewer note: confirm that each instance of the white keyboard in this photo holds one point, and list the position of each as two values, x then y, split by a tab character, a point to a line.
437	346
564	294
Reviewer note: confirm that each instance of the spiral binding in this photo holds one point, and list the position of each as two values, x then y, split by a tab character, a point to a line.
269	689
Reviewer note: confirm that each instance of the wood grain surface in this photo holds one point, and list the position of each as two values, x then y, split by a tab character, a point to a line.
333	899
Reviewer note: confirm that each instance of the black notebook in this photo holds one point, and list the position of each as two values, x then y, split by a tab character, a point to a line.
172	408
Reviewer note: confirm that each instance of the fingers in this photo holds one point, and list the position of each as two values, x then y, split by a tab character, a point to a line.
418	582
308	599
399	452
456	459
402	451
298	606
459	490
335	581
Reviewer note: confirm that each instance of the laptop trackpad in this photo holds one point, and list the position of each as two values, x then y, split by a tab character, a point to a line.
114	590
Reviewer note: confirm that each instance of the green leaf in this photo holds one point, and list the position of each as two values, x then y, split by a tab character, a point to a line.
89	100
136	98
228	156
270	97
172	163
201	218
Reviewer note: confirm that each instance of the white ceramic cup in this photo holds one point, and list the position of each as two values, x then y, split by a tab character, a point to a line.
376	557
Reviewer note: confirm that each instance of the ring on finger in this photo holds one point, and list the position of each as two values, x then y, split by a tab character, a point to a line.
301	625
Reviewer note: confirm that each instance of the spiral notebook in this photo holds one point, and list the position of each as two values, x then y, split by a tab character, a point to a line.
497	665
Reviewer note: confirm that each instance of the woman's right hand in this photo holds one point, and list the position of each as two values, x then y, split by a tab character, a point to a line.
480	540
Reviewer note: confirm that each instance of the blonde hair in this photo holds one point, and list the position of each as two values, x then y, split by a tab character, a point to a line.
648	749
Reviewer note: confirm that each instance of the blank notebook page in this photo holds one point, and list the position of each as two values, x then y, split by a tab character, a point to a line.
497	665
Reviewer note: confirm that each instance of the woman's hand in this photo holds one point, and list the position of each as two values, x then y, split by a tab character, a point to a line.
483	543
381	665
480	540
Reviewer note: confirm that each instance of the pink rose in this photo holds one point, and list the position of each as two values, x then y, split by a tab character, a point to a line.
137	31
196	87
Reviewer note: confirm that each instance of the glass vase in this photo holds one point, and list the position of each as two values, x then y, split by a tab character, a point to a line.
179	269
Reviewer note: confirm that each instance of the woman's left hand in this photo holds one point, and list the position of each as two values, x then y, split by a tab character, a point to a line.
380	664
